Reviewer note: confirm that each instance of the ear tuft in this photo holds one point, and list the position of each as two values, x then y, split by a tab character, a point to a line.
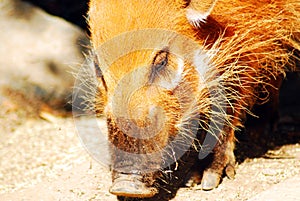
197	11
195	17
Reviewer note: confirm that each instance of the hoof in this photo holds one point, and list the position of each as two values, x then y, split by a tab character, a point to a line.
131	186
210	180
230	171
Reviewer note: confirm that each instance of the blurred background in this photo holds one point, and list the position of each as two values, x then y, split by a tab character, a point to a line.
42	44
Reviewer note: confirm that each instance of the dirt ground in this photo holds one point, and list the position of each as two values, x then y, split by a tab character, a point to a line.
43	159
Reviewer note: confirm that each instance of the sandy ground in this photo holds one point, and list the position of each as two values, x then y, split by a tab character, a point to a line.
45	160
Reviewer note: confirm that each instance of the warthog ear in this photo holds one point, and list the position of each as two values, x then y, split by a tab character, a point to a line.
197	11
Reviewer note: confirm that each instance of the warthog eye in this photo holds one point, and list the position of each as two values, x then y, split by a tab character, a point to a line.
159	63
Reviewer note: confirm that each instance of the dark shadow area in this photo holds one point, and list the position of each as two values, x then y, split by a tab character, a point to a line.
284	130
72	10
